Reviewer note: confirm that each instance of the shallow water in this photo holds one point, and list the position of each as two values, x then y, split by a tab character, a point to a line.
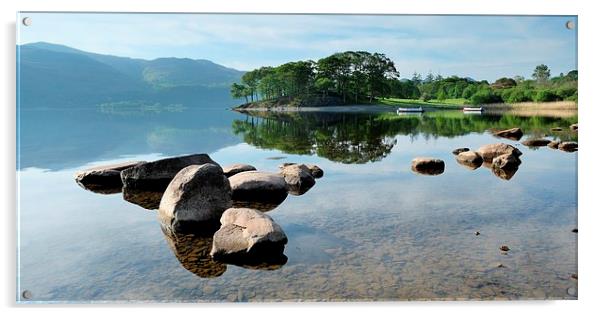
370	229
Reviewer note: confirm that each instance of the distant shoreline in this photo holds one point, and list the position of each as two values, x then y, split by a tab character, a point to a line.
568	106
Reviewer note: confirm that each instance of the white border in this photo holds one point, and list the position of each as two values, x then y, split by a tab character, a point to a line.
589	172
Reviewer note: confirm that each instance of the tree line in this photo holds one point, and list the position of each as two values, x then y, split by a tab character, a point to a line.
359	76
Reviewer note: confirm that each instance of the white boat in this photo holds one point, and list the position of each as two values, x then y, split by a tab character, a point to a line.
409	110
479	109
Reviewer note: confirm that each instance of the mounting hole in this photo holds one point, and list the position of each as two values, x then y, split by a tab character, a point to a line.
27	294
26	21
569	25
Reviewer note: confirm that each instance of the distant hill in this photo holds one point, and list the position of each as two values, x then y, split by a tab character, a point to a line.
51	74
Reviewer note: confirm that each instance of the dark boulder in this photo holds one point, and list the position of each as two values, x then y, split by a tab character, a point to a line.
540	142
104	179
428	166
156	175
568	146
460	150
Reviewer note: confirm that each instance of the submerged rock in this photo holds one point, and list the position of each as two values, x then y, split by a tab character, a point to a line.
460	150
196	198
257	186
247	235
568	146
536	142
193	252
156	175
470	159
428	166
104	179
488	152
237	168
298	178
554	144
513	133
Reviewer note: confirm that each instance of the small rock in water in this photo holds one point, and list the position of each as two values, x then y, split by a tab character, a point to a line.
574	127
460	150
536	142
488	152
501	266
513	133
574	230
470	159
298	178
104	179
276	158
428	166
504	248
556	129
554	144
574	276
477	233
568	146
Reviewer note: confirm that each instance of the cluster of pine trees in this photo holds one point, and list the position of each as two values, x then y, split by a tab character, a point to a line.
359	76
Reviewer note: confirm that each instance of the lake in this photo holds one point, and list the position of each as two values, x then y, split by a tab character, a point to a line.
370	229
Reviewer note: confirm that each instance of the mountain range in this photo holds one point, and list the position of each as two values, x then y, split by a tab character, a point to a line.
51	74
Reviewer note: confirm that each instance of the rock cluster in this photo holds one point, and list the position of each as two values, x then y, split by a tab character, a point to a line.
209	215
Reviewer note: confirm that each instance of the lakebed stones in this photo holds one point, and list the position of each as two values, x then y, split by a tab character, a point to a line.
258	186
298	177
428	166
196	198
156	175
488	152
536	142
470	159
246	234
513	133
104	179
568	146
237	168
460	150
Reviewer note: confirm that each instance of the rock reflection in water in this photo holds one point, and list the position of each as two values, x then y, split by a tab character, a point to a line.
193	253
149	200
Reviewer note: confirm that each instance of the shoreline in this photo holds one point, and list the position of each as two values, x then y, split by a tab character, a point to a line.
559	106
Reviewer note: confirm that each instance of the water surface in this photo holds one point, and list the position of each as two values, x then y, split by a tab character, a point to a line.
370	229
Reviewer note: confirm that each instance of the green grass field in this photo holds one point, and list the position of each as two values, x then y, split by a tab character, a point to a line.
447	103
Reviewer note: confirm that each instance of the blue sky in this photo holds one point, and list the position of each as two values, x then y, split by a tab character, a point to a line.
482	47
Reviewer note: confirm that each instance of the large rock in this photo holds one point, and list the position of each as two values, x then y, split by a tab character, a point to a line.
488	152
568	146
298	178
104	179
513	133
470	159
237	168
428	166
245	234
156	175
196	198
536	142
257	186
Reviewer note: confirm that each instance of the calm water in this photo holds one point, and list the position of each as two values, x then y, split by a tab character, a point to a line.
370	229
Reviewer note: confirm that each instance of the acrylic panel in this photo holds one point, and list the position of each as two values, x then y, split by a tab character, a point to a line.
255	157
